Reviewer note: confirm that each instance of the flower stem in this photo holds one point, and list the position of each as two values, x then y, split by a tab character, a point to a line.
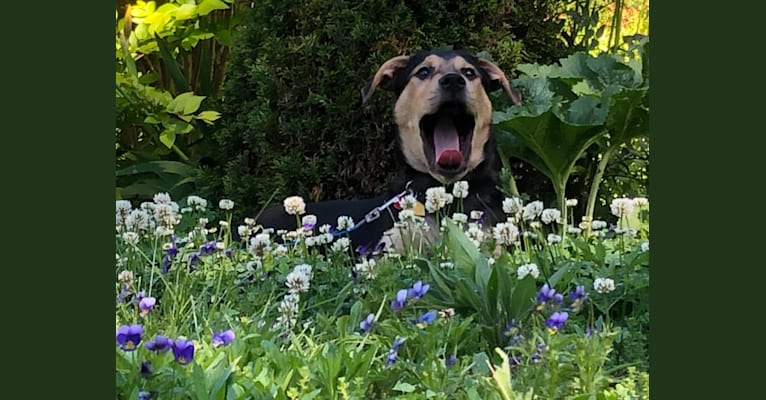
594	186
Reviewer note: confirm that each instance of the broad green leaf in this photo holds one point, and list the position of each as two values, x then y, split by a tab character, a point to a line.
521	297
209	116
168	138
627	117
404	387
185	103
185	11
208	6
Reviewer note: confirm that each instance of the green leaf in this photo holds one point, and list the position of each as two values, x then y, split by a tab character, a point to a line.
208	6
168	138
170	63
185	103
404	387
521	297
209	116
185	11
158	167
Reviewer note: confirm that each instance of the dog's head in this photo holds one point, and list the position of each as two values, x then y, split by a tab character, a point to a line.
442	109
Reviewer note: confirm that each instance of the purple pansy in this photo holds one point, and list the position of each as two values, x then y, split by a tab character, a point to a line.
160	343
418	290
129	336
366	325
222	338
398	303
556	321
427	318
146	304
183	351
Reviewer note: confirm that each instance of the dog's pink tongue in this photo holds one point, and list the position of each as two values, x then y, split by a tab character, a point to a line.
447	144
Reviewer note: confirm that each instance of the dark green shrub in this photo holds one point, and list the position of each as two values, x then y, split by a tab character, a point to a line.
293	122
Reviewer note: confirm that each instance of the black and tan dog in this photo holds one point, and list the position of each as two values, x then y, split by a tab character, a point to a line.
443	114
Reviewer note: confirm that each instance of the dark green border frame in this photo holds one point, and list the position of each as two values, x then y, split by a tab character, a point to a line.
58	199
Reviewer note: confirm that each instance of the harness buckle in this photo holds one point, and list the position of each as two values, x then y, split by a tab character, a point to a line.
372	215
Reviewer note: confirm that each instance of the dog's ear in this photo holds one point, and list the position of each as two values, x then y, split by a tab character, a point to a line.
498	80
383	76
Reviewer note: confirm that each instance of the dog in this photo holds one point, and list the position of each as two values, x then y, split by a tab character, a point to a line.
443	115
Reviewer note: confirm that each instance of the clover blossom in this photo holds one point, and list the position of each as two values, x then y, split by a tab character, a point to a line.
129	336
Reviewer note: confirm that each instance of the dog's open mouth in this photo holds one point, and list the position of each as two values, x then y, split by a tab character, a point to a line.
447	138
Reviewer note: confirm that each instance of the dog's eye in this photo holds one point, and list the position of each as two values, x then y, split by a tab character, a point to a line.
423	72
469	72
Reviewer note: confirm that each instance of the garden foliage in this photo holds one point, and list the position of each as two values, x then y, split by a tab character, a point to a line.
293	122
511	311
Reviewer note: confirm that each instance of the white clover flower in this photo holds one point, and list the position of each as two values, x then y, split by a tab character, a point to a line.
621	207
460	218
597	224
162	198
341	245
225	204
532	210
603	285
571	202
447	265
147	206
406	215
197	202
280	250
123	207
460	189
640	202
527	269
535	225
294	205
308	221
243	231
259	243
529	234
408	202
436	198
130	238
138	220
297	282
345	223
476	214
475	233
505	232
553	238
573	229
304	269
311	241
223	224
289	305
125	277
366	269
512	205
550	215
491	261
325	238
645	246
249	221
325	228
186	210
165	215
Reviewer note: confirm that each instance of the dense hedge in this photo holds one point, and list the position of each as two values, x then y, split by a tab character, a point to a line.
293	122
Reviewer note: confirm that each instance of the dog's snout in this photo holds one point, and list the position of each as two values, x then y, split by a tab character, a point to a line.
452	82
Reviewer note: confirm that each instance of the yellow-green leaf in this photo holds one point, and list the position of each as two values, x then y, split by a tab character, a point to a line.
167	138
207	6
186	11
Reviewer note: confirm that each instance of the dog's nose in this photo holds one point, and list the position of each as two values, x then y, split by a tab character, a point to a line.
452	82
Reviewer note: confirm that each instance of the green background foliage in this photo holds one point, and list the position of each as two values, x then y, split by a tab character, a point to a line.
293	121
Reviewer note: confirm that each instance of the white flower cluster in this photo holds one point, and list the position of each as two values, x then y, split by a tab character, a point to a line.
505	233
260	244
475	233
246	230
226	204
603	285
437	198
341	245
460	189
366	269
299	280
321	239
532	210
621	207
159	217
294	205
550	215
345	223
527	269
512	206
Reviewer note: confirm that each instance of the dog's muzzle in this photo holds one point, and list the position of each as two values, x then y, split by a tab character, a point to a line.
447	133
